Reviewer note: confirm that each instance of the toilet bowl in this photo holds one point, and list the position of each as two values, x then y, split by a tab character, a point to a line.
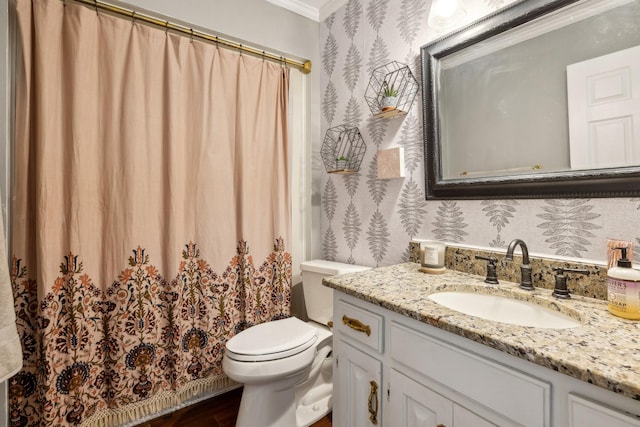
286	365
274	360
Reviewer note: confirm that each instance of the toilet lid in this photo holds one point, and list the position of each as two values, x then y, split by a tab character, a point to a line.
272	340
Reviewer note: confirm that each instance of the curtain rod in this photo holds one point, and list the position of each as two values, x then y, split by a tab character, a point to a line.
305	66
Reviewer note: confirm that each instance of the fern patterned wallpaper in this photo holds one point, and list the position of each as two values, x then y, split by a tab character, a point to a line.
369	221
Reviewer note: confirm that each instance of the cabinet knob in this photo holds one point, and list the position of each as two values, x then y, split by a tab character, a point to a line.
373	403
356	325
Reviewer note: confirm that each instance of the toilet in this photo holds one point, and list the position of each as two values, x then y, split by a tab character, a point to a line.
286	365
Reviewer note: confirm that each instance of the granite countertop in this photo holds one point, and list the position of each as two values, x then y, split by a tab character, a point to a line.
604	351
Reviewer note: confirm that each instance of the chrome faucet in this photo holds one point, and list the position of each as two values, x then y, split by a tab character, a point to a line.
525	269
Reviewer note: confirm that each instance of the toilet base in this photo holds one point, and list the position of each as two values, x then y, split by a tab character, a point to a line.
276	394
280	410
316	404
314	397
299	400
273	405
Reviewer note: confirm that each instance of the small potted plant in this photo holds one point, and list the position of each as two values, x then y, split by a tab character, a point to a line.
341	163
389	97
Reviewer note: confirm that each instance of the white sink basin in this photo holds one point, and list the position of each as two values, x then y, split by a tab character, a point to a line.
505	310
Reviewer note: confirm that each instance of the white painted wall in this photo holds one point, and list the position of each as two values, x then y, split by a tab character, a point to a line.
253	21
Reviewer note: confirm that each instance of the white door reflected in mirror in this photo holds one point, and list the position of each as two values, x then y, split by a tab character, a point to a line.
604	110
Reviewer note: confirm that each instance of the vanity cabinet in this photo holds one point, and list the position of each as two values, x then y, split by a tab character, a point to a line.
357	387
415	405
412	404
425	376
387	372
357	358
585	413
504	396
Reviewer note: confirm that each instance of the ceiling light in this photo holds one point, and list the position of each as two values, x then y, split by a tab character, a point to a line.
445	13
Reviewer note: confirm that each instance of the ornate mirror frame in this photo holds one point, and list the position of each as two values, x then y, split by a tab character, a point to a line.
611	182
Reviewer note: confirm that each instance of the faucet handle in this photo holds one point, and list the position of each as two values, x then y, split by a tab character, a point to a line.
560	290
492	272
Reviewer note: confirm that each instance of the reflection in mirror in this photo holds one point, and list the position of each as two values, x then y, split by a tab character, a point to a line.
541	99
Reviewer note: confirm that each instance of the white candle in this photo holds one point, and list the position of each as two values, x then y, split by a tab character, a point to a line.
432	254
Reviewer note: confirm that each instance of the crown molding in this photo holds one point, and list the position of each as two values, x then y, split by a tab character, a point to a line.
304	7
330	7
299	7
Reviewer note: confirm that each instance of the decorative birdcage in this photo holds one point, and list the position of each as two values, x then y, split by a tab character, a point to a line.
342	149
391	91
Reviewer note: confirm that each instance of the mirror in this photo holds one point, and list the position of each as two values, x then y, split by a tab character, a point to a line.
540	99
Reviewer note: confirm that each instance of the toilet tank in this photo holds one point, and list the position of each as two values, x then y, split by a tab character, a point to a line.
318	298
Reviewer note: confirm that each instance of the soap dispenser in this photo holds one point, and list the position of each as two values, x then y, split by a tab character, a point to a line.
623	289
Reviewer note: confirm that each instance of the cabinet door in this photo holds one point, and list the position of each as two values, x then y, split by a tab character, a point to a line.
412	404
585	413
357	387
465	418
515	398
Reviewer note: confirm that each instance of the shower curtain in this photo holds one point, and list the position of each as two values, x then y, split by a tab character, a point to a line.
150	213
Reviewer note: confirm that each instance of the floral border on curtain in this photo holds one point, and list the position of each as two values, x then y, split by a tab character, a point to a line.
146	343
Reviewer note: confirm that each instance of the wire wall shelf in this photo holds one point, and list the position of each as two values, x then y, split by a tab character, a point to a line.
343	149
391	91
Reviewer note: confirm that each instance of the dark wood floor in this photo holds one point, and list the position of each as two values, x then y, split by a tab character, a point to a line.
219	411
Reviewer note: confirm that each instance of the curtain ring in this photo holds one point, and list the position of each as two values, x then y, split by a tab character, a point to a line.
95	5
191	35
166	27
217	43
240	48
133	17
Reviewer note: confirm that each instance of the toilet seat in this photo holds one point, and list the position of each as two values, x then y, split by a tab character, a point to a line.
272	340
